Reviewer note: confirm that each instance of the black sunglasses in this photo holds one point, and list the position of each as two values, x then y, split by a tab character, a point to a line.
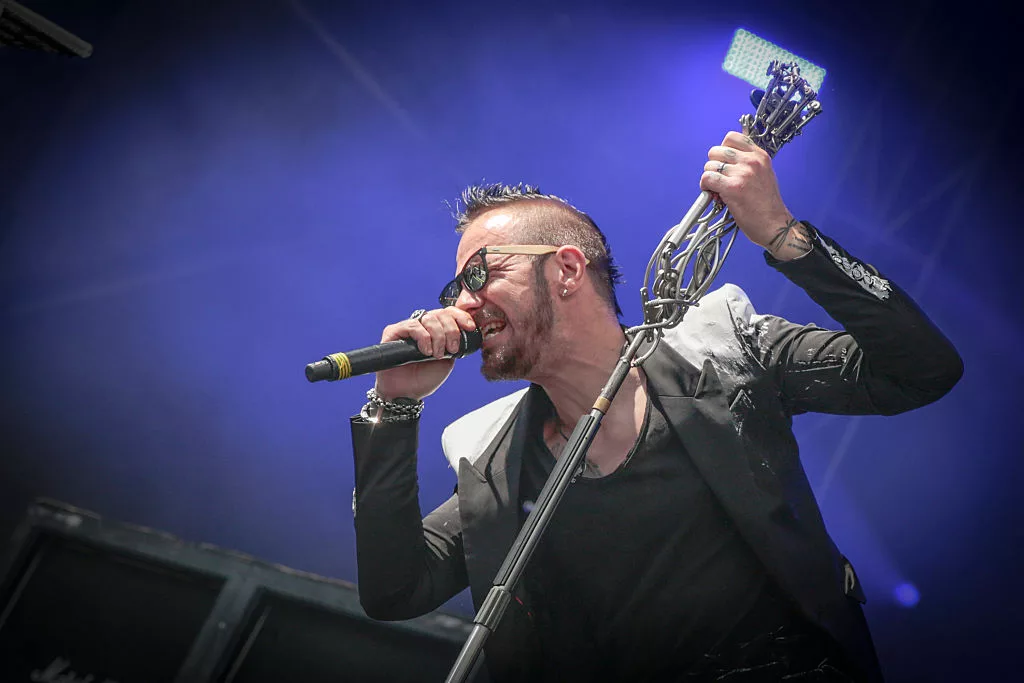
474	275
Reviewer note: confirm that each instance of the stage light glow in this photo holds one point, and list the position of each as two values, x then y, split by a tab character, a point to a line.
906	594
749	55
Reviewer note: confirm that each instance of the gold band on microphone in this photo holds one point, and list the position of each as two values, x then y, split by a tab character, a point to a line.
342	364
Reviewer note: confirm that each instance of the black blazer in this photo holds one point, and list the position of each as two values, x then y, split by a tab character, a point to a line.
729	381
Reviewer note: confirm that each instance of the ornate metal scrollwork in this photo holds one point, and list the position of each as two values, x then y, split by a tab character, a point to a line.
692	252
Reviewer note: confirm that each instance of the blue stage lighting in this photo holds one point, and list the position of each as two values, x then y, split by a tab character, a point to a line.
906	594
749	55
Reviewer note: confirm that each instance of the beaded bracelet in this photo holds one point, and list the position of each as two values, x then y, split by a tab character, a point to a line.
398	410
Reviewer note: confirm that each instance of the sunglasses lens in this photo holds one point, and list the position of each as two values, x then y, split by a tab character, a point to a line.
450	293
475	275
473	278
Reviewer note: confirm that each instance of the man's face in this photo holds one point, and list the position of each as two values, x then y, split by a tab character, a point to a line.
514	309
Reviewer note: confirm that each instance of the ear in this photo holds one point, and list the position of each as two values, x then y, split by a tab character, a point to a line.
572	267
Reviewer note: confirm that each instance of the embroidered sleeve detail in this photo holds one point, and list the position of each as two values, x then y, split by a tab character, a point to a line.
862	274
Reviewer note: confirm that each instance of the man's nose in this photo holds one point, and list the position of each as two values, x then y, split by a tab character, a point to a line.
468	300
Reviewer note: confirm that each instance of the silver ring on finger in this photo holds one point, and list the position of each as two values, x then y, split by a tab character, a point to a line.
721	168
417	314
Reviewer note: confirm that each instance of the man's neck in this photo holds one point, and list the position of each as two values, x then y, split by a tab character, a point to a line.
576	379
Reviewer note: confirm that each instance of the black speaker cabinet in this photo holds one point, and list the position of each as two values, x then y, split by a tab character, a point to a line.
84	598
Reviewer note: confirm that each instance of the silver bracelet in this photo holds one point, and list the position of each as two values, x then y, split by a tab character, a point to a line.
398	410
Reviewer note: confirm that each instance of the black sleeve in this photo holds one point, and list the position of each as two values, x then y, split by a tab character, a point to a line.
889	358
407	566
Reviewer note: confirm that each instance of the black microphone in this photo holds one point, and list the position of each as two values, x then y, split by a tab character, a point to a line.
382	357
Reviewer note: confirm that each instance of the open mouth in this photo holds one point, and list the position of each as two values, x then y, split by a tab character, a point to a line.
492	329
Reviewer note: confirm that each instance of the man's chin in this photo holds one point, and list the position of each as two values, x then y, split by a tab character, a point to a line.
500	365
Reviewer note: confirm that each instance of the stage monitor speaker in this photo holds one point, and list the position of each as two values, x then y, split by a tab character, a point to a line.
287	639
89	599
21	27
75	607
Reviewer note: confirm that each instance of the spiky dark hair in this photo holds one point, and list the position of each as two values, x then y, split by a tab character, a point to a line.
573	227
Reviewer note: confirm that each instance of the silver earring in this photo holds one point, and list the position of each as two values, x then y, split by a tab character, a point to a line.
565	291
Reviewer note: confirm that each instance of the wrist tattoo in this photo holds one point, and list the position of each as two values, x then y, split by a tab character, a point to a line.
793	234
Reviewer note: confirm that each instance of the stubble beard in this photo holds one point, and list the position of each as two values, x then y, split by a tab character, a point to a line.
517	358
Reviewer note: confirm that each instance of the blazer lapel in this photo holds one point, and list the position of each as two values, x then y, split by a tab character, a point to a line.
489	499
697	408
794	549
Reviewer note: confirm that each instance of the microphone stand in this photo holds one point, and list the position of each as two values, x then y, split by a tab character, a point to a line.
783	109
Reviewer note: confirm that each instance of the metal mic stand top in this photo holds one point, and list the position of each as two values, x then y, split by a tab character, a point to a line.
783	109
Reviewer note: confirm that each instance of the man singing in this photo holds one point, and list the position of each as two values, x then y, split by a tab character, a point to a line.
691	548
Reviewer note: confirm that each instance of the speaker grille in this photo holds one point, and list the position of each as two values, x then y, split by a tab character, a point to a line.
76	607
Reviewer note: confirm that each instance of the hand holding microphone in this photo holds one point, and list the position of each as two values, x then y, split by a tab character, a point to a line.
414	358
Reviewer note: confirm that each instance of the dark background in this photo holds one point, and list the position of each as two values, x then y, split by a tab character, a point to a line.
226	191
